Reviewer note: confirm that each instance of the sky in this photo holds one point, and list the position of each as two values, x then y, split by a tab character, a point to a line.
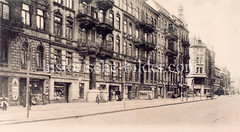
216	22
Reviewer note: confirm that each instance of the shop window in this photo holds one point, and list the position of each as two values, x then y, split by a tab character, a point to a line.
60	91
26	14
3	53
24	55
4	10
4	87
40	19
39	57
118	70
81	90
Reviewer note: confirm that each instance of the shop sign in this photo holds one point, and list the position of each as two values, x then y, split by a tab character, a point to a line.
15	88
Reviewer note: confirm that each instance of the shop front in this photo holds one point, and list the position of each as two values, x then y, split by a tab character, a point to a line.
61	91
113	92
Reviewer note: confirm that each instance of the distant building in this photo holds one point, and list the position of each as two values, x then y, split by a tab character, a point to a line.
202	66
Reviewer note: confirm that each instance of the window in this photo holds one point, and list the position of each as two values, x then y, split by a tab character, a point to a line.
136	73
130	49
58	25
4	10
69	29
117	25
125	48
25	14
117	3
93	35
197	60
3	52
40	19
100	15
118	70
58	1
40	57
69	61
102	70
111	19
130	8
82	64
125	5
137	13
137	51
24	55
57	57
197	69
117	49
137	33
69	3
130	29
125	26
81	90
201	70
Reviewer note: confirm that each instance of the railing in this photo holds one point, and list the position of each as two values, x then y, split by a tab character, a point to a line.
85	11
106	21
108	47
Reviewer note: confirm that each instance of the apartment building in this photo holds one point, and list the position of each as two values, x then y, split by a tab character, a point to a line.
202	64
74	50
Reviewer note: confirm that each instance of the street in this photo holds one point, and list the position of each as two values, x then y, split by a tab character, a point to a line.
221	114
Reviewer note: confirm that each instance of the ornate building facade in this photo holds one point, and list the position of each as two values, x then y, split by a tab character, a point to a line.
79	49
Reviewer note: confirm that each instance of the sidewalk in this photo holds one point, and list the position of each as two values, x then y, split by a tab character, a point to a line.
17	114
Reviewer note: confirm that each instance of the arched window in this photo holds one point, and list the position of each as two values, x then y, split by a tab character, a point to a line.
24	55
39	57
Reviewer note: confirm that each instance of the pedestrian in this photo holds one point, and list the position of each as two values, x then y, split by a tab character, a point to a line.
97	99
4	104
44	99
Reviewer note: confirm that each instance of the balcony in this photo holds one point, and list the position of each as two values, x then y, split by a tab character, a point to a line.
171	52
105	26
147	26
106	50
148	44
86	1
86	46
86	18
137	41
171	34
185	43
105	4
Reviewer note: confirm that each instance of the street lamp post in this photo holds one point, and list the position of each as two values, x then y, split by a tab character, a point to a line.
28	83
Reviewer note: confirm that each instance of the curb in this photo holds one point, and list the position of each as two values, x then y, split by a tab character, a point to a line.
103	113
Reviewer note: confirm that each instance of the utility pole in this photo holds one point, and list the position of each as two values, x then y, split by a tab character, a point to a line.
28	82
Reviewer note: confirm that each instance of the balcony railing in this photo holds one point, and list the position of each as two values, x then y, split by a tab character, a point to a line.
86	46
105	4
185	43
106	49
105	26
87	18
171	34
